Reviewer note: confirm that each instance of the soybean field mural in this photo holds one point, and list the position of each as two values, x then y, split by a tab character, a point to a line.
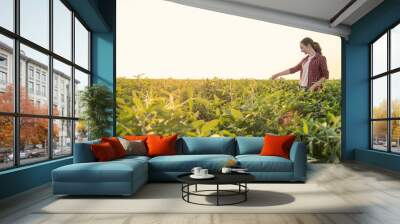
225	107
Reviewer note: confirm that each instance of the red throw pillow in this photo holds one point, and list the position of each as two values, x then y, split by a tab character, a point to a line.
103	152
161	145
116	145
275	145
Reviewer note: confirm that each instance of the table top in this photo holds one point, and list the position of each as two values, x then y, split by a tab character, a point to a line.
220	178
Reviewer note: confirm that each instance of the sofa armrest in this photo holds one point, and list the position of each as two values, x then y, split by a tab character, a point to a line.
83	152
298	155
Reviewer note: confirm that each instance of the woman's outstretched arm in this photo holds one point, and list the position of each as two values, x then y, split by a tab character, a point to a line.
288	71
282	73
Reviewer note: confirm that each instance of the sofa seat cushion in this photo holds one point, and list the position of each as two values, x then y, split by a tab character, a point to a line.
112	171
134	157
257	163
185	163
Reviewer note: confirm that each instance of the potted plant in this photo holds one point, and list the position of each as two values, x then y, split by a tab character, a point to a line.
97	104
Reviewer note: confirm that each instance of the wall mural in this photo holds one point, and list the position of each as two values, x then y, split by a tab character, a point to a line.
217	107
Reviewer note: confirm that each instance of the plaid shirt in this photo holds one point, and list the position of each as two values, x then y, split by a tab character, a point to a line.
317	69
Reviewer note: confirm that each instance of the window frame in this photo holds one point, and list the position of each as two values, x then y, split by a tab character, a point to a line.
388	74
16	114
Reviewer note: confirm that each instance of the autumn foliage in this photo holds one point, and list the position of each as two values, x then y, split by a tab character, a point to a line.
33	130
380	127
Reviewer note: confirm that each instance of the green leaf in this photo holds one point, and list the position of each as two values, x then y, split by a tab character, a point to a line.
236	114
209	126
305	127
197	124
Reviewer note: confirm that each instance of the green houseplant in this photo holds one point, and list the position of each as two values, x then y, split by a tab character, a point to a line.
97	103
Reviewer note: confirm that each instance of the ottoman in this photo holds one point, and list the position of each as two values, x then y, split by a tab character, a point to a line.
119	177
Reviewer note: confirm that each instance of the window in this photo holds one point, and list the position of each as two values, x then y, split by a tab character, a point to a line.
30	72
81	82
6	73
395	133
3	61
34	21
62	74
385	94
30	87
62	137
7	14
62	29
6	142
34	146
81	45
379	97
81	131
44	91
40	62
45	131
3	78
395	47
3	72
379	56
37	89
3	82
37	75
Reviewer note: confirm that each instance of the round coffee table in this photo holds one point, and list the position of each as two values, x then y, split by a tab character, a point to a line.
238	179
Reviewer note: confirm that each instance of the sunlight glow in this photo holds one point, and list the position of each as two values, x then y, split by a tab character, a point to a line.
162	39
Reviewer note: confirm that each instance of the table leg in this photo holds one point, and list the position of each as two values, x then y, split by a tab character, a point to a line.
188	190
195	188
245	193
217	194
182	189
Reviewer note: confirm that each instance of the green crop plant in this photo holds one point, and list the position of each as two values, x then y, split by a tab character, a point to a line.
220	107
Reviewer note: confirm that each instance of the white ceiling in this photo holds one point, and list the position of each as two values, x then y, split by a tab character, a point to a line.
315	15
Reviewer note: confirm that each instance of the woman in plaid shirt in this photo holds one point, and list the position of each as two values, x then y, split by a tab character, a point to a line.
313	68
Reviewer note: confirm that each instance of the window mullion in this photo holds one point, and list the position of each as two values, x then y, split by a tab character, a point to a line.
389	112
371	137
50	81
16	85
73	82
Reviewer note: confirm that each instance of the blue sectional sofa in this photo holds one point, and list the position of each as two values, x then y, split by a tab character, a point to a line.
125	176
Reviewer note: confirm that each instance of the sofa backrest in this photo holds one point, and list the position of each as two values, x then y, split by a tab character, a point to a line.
83	152
206	145
249	145
190	146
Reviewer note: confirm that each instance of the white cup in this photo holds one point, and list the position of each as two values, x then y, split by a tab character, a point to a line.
226	170
196	171
203	172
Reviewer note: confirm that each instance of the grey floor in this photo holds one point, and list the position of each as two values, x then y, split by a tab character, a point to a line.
377	188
